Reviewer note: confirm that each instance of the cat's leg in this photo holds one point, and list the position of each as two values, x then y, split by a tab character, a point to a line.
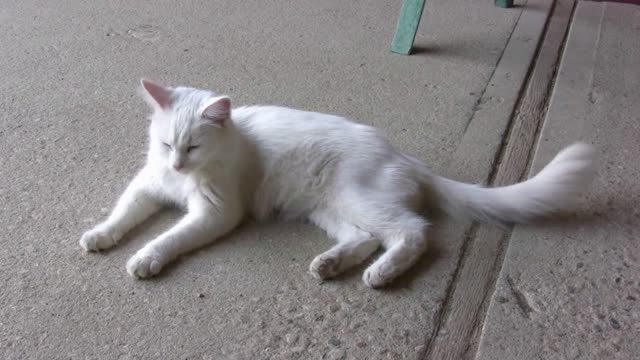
405	242
203	224
135	205
354	246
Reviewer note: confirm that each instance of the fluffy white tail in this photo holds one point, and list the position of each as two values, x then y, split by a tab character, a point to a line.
555	188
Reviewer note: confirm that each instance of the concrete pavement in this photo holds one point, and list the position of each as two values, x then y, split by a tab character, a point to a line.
72	134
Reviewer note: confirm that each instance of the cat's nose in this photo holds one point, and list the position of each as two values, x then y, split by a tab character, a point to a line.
178	167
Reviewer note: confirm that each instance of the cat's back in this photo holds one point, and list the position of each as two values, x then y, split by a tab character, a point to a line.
287	127
302	153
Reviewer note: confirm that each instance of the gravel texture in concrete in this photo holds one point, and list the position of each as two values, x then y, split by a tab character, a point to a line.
73	133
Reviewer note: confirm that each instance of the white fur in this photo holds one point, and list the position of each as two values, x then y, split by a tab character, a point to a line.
342	176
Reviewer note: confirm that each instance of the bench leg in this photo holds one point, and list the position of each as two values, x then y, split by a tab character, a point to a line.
407	26
504	3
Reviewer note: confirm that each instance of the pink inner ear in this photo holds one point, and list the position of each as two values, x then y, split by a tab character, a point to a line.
160	94
218	111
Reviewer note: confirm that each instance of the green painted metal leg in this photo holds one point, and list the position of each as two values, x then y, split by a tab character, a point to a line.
407	26
504	3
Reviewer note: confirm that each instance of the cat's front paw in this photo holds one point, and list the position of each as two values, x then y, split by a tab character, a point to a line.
324	267
98	239
144	264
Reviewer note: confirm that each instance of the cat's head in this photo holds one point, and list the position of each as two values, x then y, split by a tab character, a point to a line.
188	126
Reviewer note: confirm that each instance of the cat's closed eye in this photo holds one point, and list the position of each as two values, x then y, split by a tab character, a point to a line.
166	145
191	148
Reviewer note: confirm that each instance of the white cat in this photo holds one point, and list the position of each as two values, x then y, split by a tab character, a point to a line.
222	165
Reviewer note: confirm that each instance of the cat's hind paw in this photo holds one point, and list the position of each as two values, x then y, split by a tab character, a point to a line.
98	239
144	264
378	275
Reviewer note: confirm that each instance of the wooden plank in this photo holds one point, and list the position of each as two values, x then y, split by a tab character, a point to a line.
466	307
407	27
532	108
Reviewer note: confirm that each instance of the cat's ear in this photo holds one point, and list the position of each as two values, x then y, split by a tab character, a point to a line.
217	111
157	96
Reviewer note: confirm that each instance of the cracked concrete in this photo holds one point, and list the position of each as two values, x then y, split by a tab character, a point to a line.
523	299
